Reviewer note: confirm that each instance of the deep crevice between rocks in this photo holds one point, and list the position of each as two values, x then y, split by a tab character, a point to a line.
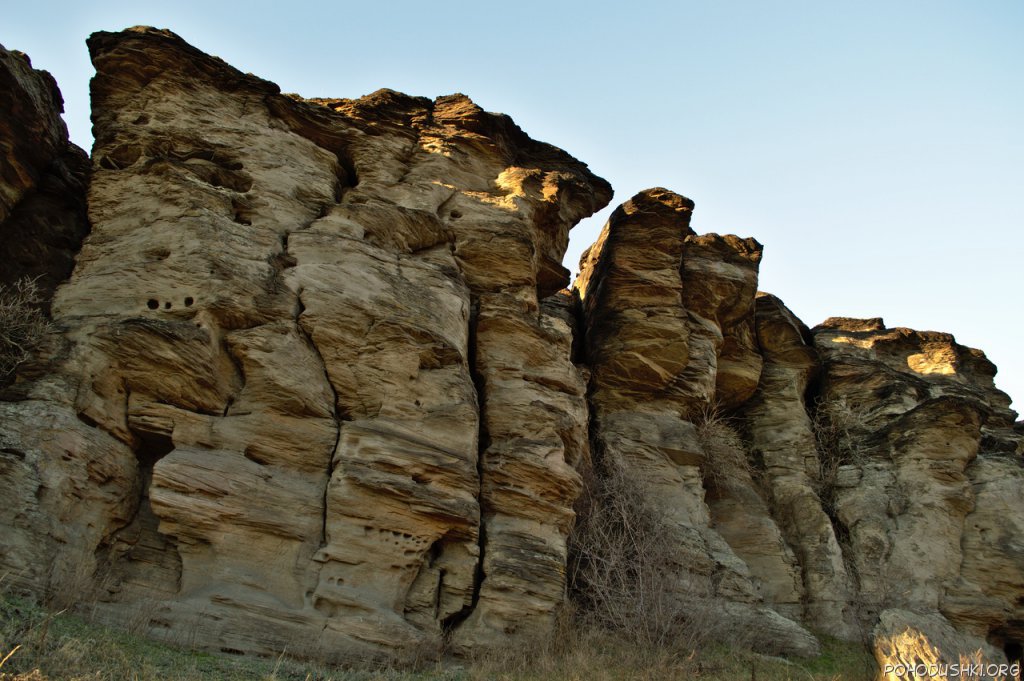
325	128
152	447
239	368
116	567
242	210
1014	651
813	398
453	621
335	413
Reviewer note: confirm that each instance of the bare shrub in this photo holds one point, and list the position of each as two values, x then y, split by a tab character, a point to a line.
725	452
22	324
625	568
838	429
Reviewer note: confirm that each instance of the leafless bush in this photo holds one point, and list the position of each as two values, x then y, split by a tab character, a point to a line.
838	429
22	324
625	568
725	452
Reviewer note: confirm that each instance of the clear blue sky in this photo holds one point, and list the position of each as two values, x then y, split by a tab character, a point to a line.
875	148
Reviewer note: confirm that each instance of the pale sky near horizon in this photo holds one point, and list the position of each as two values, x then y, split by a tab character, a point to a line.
876	149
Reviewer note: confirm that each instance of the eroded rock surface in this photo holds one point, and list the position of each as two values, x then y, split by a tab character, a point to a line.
314	383
658	302
924	457
285	326
61	481
782	438
865	450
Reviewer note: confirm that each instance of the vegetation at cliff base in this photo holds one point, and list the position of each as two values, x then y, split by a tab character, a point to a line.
38	645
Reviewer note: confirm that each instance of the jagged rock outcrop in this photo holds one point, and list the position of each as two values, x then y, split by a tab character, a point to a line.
865	448
49	499
314	382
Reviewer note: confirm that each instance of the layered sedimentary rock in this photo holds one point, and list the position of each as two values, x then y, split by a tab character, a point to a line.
854	492
658	304
310	340
314	383
927	476
50	499
782	438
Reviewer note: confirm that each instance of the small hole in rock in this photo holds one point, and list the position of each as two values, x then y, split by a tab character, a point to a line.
167	305
141	120
188	301
455	214
152	304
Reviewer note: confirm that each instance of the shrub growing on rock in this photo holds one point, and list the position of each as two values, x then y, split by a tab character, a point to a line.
22	324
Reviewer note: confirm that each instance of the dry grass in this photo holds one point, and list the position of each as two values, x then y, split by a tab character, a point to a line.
22	324
62	647
598	655
911	648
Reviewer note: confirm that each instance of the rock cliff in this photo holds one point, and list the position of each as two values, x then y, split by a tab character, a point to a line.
314	381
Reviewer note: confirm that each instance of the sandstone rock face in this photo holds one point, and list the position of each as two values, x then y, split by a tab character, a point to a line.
924	467
658	302
56	503
315	383
42	179
854	491
782	437
310	340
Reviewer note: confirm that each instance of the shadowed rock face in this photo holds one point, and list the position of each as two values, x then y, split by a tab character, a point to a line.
314	379
42	179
